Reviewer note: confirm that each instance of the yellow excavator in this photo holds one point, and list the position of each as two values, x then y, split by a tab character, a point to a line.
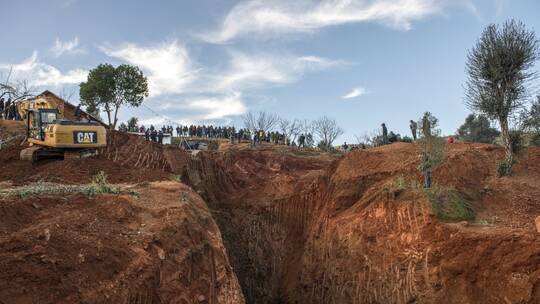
52	136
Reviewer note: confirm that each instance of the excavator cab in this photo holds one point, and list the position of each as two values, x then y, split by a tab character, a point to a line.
38	120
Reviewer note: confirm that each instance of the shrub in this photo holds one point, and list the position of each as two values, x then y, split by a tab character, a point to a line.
504	168
324	146
393	137
401	183
517	139
433	154
535	140
448	204
40	188
433	147
394	188
407	139
176	178
100	185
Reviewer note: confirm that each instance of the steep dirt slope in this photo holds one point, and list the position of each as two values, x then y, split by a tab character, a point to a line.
251	189
303	229
372	247
160	246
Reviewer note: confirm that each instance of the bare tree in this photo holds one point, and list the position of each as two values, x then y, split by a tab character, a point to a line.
371	139
307	127
499	75
66	94
366	138
15	90
290	129
260	121
327	130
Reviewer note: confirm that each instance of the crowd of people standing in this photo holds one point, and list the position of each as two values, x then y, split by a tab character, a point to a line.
222	132
8	109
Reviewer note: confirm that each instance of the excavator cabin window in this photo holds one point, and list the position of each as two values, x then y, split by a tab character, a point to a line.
38	122
47	117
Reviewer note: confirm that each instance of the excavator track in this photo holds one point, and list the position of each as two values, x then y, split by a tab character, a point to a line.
30	154
35	153
84	153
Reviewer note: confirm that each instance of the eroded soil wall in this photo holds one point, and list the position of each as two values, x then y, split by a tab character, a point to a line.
160	246
300	230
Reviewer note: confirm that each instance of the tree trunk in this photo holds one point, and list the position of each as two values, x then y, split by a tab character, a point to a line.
108	110
115	115
507	141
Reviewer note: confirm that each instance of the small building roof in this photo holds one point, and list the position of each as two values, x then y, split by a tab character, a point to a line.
72	107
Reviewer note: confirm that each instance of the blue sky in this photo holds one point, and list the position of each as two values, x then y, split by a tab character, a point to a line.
362	62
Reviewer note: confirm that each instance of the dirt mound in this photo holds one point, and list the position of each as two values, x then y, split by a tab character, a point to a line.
75	171
414	256
127	158
135	152
160	246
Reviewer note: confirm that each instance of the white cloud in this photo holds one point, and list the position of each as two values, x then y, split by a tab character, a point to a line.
66	47
41	74
219	107
210	93
247	71
210	107
282	16
168	66
355	92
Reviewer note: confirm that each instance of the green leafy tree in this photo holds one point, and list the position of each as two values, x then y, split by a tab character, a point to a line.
108	88
433	147
428	125
133	124
123	127
407	139
477	128
531	118
93	109
499	75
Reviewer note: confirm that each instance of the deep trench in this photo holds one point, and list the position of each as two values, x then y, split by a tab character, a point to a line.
263	240
299	248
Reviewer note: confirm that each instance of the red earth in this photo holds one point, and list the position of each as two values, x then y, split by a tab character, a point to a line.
298	226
